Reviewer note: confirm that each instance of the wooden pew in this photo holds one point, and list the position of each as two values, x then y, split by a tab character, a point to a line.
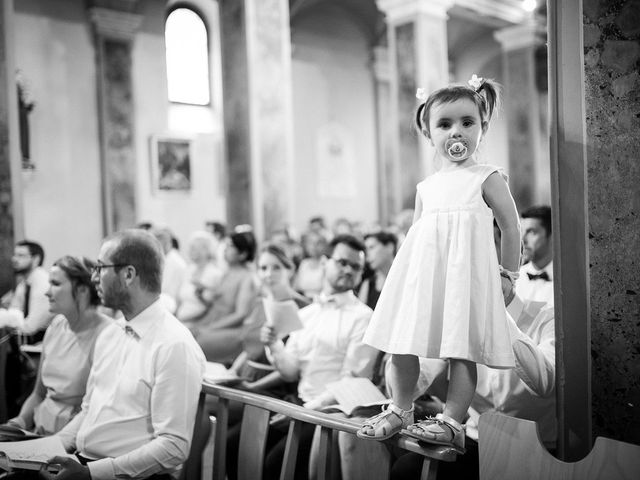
257	411
510	449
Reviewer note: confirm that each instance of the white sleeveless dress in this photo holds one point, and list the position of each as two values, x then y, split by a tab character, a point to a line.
442	297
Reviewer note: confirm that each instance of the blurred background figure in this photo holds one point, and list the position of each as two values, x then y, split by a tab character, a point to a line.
310	275
380	250
175	268
219	232
219	332
401	224
202	279
67	348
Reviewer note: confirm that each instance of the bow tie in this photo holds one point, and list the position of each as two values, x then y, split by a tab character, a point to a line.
540	276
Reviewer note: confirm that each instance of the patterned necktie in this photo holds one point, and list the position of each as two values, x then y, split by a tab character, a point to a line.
540	276
131	332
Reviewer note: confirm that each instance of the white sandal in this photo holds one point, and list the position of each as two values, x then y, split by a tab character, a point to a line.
386	421
439	430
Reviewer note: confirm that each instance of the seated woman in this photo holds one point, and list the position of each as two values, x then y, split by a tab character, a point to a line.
219	332
310	272
67	348
275	269
203	277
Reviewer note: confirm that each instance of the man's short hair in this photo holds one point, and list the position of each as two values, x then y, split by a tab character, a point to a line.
539	212
34	249
348	240
143	251
385	238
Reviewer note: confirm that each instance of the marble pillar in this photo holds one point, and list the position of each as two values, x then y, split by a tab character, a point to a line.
256	65
387	173
417	39
114	31
522	108
11	227
612	85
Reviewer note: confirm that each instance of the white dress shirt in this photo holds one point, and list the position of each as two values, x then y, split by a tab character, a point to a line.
327	348
39	316
528	390
536	290
138	415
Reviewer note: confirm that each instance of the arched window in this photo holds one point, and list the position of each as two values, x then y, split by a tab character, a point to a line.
187	57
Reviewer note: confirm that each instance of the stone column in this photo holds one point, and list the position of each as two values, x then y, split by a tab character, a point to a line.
113	32
387	173
611	85
417	38
11	226
256	68
522	108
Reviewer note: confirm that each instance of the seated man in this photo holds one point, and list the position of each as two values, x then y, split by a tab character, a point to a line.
327	348
527	391
28	308
138	415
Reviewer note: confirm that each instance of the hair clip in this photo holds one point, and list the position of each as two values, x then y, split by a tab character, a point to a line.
476	82
421	95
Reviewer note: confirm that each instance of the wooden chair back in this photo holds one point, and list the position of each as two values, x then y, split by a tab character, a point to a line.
510	448
255	425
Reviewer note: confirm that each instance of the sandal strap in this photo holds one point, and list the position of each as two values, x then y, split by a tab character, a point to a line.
451	422
400	412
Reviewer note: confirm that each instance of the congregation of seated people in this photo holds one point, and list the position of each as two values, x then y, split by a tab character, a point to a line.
123	342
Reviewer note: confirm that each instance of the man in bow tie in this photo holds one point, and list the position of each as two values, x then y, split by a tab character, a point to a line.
536	276
138	416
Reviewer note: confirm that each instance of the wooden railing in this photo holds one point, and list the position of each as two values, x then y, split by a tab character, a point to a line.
257	412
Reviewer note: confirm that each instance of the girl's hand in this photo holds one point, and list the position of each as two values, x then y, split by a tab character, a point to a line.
268	335
508	289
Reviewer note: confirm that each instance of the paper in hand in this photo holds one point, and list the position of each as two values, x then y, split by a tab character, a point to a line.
31	454
282	316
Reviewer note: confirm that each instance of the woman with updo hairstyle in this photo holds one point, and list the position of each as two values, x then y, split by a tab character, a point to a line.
275	271
219	332
67	348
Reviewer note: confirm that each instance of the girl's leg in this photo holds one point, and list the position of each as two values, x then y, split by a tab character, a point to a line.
463	377
402	380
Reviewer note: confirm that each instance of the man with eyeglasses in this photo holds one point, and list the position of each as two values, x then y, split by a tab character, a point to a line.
327	348
138	416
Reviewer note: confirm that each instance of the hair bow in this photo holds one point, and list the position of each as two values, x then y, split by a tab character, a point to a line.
421	95
476	82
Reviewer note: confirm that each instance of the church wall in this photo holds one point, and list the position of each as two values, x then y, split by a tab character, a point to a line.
155	117
334	119
62	205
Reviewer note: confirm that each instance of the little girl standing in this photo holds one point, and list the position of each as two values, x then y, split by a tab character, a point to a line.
443	297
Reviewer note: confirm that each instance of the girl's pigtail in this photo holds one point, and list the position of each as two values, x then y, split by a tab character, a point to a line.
490	90
418	120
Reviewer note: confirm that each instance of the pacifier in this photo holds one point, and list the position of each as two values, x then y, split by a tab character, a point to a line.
457	149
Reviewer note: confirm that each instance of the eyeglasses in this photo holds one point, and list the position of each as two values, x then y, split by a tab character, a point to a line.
98	268
344	263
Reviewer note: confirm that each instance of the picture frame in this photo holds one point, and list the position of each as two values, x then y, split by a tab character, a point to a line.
171	163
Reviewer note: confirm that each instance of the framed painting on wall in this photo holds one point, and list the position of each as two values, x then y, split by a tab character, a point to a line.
171	163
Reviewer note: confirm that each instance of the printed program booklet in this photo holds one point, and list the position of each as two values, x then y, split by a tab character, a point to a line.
31	454
353	394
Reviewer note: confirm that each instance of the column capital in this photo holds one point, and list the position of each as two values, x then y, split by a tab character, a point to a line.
114	23
527	34
399	10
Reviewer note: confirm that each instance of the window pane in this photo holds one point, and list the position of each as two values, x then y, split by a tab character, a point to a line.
187	57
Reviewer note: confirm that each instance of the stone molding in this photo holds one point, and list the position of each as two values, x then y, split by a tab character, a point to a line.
114	24
400	10
380	64
528	34
508	10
